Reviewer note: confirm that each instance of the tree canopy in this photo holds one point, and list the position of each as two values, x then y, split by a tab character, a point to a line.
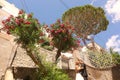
86	19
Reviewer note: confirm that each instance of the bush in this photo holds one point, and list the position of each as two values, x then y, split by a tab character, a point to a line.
116	58
52	73
100	60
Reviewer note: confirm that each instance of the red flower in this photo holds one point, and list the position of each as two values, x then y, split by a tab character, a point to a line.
17	21
52	31
59	31
73	29
11	16
51	43
69	27
58	21
27	22
55	32
8	19
63	31
29	15
7	27
61	25
41	41
47	30
3	21
78	41
46	26
65	39
20	12
37	21
12	27
41	34
51	25
8	32
21	20
78	36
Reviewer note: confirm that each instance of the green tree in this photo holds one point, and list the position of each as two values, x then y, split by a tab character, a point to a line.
87	20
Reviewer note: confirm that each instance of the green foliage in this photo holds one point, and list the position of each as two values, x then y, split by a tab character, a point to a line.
115	57
86	19
52	73
46	45
100	60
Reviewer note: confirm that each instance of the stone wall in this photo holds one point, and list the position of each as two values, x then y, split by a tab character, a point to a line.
112	73
116	72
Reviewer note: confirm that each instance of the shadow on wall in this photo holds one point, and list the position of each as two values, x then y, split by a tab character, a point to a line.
24	73
116	72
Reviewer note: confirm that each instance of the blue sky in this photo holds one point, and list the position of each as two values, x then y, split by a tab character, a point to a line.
48	11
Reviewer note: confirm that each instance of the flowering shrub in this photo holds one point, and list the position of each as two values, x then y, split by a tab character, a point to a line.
28	32
62	36
26	28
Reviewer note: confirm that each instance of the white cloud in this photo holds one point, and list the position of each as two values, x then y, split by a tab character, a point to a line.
113	8
114	42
